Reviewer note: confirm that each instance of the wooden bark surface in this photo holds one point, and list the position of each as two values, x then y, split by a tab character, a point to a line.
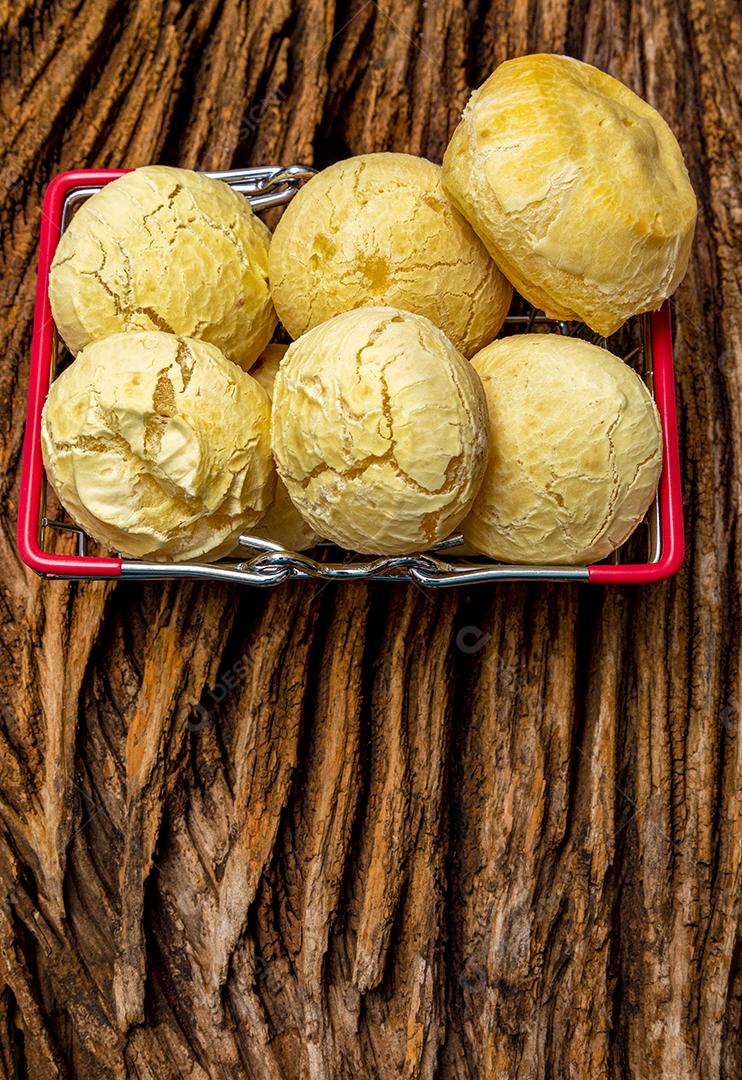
489	833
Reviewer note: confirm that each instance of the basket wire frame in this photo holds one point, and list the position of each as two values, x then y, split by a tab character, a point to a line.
267	563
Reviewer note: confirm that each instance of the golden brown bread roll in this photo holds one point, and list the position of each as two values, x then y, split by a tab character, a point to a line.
158	446
577	187
379	229
379	430
165	249
575	451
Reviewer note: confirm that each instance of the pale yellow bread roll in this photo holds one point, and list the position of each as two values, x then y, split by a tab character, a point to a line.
577	187
165	249
379	430
281	522
575	452
379	229
158	446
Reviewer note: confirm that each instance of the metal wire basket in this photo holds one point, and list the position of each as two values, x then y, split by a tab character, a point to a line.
646	343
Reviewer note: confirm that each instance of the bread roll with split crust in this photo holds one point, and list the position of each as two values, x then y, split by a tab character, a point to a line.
577	187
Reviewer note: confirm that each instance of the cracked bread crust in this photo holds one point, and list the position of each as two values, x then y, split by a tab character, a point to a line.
158	446
165	249
379	431
575	451
578	188
379	230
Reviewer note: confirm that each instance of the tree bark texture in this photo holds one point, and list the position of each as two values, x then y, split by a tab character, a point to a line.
493	832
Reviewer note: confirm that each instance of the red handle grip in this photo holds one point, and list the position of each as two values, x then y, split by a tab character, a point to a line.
671	500
32	470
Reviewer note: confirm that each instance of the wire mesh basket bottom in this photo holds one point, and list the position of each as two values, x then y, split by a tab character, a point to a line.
266	563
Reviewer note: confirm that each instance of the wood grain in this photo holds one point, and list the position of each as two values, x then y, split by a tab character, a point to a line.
491	833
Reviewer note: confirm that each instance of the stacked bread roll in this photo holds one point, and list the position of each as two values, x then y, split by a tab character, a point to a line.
397	415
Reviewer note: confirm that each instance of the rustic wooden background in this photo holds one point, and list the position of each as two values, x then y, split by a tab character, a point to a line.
493	833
